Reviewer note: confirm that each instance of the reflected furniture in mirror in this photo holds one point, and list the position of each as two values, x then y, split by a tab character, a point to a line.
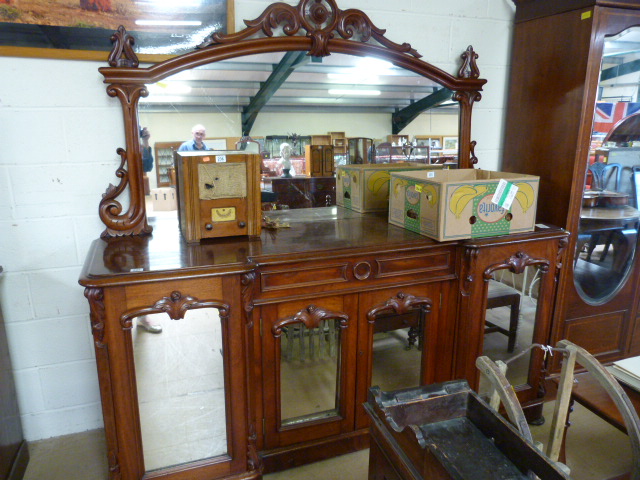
360	150
597	302
502	295
284	333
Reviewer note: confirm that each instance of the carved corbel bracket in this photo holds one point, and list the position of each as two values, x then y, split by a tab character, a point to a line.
248	282
562	245
468	266
95	296
400	304
311	318
176	306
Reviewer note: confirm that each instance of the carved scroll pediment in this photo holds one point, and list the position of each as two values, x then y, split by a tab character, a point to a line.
311	318
400	304
320	20
516	264
176	306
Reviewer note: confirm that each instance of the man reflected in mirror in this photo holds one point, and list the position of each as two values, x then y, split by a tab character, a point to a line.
197	142
147	157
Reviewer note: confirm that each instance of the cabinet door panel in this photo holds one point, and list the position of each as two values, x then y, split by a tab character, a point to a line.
397	332
309	369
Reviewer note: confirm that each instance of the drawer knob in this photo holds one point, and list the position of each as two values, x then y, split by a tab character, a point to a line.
362	270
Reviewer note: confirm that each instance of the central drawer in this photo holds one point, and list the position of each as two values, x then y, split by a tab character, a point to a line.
354	273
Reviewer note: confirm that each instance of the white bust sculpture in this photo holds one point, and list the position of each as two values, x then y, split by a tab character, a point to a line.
285	160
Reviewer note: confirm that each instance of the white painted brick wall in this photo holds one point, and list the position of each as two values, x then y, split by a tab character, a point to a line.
60	131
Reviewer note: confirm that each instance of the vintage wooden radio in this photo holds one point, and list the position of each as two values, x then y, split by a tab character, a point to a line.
218	194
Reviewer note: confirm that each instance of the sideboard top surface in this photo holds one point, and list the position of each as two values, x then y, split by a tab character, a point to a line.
317	233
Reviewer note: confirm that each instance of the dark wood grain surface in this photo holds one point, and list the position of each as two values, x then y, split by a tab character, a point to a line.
317	232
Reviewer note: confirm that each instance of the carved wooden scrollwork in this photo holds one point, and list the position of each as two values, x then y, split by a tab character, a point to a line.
133	221
311	318
95	296
321	19
562	245
400	304
176	306
122	54
96	304
472	154
468	266
254	461
248	282
316	26
469	67
516	264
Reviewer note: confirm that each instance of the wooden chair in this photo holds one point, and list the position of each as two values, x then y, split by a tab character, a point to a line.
502	391
502	295
602	173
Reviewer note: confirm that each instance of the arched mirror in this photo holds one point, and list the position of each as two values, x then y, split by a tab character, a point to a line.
609	218
286	78
331	103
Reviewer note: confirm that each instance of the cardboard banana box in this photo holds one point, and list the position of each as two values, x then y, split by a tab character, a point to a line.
365	188
466	203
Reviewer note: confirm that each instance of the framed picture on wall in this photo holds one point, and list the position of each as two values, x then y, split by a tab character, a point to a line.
450	143
81	29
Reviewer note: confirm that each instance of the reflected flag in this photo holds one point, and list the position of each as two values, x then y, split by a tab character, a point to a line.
608	114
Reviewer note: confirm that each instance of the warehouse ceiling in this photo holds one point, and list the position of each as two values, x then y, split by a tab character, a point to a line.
296	82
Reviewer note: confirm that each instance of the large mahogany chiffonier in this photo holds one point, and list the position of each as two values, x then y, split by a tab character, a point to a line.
253	307
565	61
235	356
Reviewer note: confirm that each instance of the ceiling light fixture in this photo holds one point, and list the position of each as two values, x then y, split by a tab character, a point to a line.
353	92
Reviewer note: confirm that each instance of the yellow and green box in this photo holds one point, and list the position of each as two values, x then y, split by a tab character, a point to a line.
365	188
457	204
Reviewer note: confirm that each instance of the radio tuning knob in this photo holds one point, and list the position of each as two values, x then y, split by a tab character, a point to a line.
208	226
242	224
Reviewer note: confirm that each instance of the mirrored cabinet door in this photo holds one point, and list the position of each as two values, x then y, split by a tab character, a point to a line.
510	321
396	340
180	378
309	369
507	292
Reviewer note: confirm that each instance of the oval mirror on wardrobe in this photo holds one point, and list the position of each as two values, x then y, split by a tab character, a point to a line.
609	218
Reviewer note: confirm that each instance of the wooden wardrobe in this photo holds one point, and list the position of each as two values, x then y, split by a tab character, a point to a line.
555	71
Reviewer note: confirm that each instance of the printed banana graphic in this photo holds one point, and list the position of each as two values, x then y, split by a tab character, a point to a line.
525	196
378	180
431	194
461	197
398	183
